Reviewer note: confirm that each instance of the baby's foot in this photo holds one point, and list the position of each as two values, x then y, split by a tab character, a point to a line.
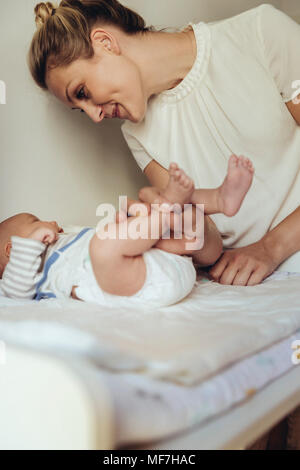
180	186
236	185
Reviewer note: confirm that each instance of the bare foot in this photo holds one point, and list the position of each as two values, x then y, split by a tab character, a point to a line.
236	185
180	186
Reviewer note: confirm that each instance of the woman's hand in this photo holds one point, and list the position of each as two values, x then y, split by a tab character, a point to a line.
44	234
245	266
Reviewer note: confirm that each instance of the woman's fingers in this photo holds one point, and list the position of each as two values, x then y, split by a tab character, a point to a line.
242	277
230	270
228	275
247	266
217	270
257	277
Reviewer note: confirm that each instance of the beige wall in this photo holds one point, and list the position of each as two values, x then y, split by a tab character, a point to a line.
56	163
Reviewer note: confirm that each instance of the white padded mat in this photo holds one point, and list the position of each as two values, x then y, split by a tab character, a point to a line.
148	410
186	343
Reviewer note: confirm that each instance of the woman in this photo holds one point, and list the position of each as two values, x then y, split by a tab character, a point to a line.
194	97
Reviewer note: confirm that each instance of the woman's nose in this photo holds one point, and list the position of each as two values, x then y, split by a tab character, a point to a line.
95	112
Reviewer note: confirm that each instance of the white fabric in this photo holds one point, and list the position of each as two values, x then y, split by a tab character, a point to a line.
232	101
169	278
187	342
66	270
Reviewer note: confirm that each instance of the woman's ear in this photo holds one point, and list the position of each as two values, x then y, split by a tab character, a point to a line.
103	39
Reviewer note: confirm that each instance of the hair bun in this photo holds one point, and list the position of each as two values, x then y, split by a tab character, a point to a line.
43	11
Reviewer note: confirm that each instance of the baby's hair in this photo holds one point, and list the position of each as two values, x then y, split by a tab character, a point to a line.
63	32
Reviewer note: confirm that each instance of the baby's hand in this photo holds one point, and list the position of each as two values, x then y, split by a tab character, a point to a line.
44	234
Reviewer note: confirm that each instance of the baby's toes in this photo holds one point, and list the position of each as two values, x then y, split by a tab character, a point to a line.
243	162
250	165
188	183
233	161
177	175
191	183
172	168
182	179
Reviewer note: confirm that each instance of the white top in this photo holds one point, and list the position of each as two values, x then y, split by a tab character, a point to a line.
232	101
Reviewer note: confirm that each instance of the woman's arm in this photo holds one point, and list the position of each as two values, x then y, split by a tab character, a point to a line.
294	108
157	175
250	265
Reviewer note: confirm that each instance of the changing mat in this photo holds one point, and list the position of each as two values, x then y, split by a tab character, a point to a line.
212	328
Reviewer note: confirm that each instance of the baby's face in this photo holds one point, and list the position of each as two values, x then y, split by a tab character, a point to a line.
29	222
21	225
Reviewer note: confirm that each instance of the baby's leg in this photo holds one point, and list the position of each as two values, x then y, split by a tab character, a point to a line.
226	199
205	254
117	261
206	245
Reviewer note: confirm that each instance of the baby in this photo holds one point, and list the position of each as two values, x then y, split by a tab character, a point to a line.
39	261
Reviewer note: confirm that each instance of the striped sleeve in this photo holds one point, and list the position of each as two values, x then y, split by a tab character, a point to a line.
18	280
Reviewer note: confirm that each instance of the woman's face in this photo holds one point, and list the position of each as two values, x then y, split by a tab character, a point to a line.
105	86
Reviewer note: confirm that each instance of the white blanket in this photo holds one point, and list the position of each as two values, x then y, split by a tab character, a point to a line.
187	342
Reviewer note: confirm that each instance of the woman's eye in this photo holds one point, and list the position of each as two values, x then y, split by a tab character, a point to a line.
80	95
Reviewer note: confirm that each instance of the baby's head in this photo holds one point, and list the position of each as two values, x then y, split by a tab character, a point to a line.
21	225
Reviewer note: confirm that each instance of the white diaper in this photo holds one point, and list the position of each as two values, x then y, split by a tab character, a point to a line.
169	279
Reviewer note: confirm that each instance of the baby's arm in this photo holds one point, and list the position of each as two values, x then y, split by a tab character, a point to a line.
18	281
19	276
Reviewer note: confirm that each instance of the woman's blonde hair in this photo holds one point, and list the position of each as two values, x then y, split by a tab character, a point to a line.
63	32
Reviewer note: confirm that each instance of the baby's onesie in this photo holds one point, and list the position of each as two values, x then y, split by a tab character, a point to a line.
37	272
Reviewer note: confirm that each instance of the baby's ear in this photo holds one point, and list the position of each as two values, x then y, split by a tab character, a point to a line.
7	249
